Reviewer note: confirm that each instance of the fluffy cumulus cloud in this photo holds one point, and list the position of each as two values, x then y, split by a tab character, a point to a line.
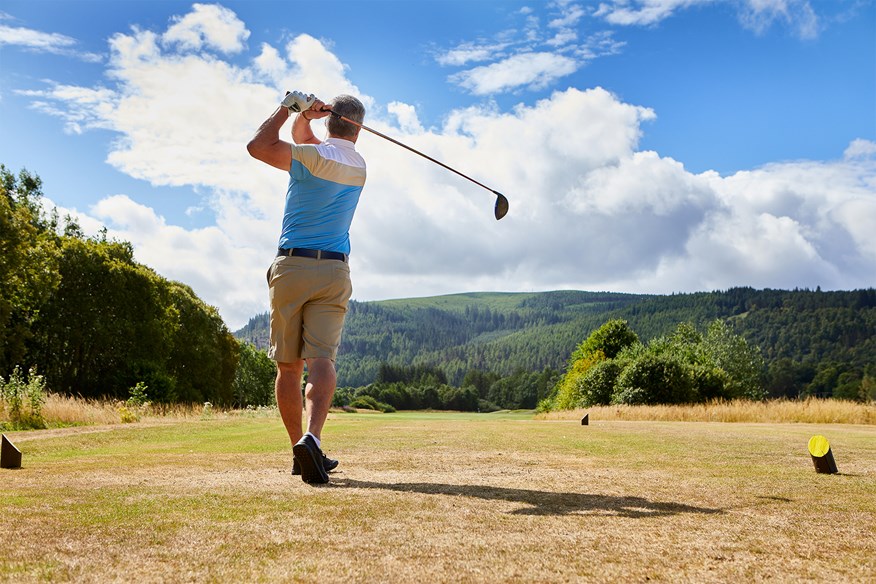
208	25
589	209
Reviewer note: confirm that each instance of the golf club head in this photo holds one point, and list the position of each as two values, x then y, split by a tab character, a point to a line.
501	208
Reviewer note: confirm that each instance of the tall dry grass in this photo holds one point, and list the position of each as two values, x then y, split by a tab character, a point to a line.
59	410
809	411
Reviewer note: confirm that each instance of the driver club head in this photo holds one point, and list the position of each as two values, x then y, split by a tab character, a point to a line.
501	208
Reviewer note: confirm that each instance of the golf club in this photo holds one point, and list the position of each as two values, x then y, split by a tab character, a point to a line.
501	207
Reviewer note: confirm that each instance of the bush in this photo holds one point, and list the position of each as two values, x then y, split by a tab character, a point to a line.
597	385
654	379
485	406
367	402
24	399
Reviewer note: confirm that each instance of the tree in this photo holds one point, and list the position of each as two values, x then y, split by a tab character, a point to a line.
254	379
611	338
597	385
654	379
28	262
743	363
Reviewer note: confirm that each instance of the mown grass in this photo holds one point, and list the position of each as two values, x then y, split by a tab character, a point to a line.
441	497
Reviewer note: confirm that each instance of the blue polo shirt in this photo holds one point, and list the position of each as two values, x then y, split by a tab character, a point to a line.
325	182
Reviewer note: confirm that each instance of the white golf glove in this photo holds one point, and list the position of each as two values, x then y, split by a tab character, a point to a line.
298	102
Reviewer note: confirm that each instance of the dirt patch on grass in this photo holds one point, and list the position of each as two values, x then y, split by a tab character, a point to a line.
445	500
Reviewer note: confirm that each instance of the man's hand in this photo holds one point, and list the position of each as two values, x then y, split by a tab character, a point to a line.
298	102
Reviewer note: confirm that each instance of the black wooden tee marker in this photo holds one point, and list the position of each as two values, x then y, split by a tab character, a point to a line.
10	456
822	457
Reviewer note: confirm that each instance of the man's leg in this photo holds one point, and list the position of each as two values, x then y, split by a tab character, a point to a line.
289	402
318	393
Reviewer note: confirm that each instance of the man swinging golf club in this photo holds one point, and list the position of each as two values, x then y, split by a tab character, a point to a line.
309	279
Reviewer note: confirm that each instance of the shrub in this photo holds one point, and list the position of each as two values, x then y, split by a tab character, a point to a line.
597	385
568	394
367	402
654	379
24	399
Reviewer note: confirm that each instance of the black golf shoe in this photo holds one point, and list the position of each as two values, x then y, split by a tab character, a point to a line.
309	458
329	464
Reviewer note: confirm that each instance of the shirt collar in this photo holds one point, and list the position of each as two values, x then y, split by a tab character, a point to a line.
340	143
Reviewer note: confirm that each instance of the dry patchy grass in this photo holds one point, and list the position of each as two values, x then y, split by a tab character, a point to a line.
442	498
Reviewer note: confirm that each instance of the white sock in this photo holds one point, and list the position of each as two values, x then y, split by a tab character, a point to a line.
315	439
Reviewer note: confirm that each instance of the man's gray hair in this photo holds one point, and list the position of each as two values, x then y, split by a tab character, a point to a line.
349	107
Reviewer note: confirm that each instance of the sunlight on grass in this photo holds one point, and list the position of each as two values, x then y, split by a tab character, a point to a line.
425	496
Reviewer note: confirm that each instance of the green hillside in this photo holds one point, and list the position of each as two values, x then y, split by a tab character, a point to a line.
810	339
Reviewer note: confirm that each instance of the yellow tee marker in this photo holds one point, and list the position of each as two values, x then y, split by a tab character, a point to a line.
822	457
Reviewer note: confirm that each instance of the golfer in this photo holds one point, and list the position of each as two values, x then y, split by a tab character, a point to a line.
309	279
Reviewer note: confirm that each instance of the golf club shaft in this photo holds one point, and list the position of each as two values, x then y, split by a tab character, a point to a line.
405	146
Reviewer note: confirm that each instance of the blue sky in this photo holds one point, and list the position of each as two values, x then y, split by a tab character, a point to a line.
645	145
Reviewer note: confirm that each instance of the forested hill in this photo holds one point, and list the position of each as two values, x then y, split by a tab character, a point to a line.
803	334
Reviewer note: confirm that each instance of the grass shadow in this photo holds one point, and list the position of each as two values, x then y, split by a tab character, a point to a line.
540	502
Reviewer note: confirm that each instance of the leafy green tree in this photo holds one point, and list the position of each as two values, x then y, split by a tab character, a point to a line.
204	354
105	319
597	385
654	379
254	379
611	338
743	363
480	380
28	262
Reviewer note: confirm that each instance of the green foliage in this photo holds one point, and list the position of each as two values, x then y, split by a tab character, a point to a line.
521	390
610	339
95	320
23	399
743	363
597	385
28	262
367	402
568	393
654	379
798	332
605	342
137	396
254	379
681	367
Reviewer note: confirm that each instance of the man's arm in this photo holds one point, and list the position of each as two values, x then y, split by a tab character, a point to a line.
266	144
301	132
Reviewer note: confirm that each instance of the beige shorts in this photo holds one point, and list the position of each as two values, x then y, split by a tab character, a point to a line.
308	304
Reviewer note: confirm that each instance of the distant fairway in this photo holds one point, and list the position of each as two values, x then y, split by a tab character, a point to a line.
441	497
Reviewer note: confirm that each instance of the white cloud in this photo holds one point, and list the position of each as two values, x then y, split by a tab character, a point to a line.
757	15
860	148
406	115
571	14
46	42
208	25
643	12
532	70
466	53
589	210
